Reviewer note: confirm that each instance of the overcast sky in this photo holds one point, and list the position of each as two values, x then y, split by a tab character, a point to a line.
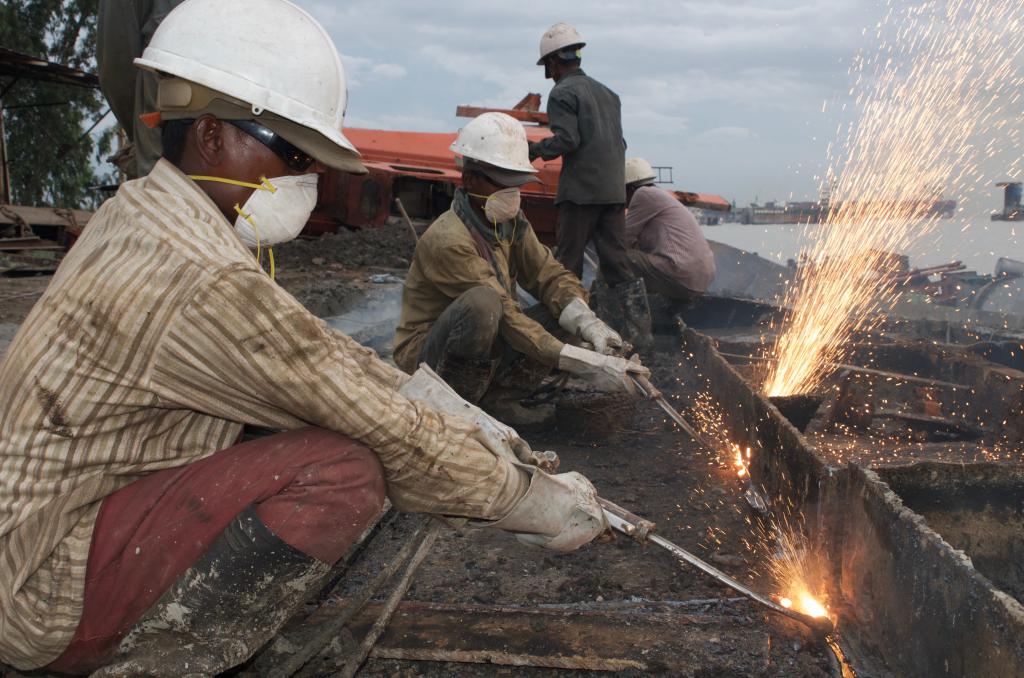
729	92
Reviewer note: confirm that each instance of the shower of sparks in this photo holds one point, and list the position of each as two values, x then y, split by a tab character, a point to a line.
797	572
709	419
940	95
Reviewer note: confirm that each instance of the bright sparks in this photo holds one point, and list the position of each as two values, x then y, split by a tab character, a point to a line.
797	570
709	420
936	99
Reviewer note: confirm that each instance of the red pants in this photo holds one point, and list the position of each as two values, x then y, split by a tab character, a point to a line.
315	489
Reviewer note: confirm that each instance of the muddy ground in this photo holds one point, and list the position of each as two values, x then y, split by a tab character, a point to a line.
683	623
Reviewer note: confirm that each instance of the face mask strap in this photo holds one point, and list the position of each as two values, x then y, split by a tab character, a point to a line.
259	242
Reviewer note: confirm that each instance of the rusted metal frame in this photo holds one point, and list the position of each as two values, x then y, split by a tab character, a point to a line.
521	115
887	563
910	378
354	661
336	626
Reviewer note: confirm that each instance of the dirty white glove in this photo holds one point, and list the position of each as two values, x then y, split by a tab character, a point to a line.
558	512
578	319
426	386
603	372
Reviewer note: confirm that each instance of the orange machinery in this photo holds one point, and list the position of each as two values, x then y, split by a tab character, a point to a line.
419	169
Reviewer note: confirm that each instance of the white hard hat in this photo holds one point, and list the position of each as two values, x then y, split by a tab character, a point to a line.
267	54
558	37
638	169
498	140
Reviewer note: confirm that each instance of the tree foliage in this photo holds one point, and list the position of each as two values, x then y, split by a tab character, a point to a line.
52	161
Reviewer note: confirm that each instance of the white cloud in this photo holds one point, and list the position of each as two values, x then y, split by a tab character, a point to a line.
390	71
726	134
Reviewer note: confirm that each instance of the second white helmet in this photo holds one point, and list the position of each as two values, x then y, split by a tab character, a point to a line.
638	169
558	37
497	139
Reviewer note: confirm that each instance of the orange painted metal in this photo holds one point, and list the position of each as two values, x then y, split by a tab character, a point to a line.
419	168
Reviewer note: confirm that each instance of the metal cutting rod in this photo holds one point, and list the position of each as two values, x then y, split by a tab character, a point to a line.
642	531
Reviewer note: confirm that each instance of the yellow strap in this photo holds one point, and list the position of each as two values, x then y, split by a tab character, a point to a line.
270	251
264	183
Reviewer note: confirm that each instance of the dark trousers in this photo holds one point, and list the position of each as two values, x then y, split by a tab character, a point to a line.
606	226
468	330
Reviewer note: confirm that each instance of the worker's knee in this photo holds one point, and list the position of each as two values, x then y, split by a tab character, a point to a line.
353	476
477	324
482	306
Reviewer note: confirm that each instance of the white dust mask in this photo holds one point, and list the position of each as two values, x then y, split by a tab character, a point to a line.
277	211
502	205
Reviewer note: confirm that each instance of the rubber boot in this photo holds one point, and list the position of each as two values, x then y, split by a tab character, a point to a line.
223	608
506	406
469	377
625	308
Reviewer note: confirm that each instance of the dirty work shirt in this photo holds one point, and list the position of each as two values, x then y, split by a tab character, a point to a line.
661	226
157	339
447	263
586	123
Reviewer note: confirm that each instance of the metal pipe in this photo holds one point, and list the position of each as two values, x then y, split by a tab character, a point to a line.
650	391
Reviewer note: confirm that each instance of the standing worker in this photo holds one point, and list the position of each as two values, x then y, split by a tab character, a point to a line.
123	29
137	533
460	311
586	126
666	245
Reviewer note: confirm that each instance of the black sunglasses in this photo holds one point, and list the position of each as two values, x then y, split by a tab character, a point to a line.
295	159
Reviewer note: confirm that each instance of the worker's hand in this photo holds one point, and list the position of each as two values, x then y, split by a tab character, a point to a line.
426	386
604	372
558	512
582	322
534	149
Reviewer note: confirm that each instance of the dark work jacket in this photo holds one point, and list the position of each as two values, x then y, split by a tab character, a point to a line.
586	120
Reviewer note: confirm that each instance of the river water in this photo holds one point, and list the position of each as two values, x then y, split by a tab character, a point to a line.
977	243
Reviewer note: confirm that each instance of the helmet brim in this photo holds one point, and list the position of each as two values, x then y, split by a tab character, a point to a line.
577	45
500	175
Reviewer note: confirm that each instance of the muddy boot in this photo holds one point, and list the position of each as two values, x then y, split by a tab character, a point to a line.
625	309
506	405
223	608
468	377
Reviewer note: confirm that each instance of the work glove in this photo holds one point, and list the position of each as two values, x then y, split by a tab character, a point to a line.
426	386
558	512
580	321
603	372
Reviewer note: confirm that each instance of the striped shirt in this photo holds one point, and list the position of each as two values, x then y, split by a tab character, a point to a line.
157	340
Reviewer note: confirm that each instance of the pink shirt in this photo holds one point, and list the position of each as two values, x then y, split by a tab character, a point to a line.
659	225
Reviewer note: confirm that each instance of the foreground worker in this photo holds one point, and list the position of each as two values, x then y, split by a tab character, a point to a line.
136	533
667	247
460	312
586	132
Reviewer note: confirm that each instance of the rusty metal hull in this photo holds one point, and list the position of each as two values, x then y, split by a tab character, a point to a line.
909	602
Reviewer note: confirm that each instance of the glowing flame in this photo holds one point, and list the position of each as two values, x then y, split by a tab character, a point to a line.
936	100
741	463
796	568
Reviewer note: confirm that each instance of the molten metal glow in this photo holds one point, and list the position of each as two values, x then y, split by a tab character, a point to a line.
709	419
796	570
936	99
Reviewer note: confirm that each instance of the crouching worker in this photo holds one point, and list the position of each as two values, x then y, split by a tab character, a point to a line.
137	536
666	246
460	312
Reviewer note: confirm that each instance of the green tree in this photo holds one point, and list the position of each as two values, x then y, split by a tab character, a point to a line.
52	160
